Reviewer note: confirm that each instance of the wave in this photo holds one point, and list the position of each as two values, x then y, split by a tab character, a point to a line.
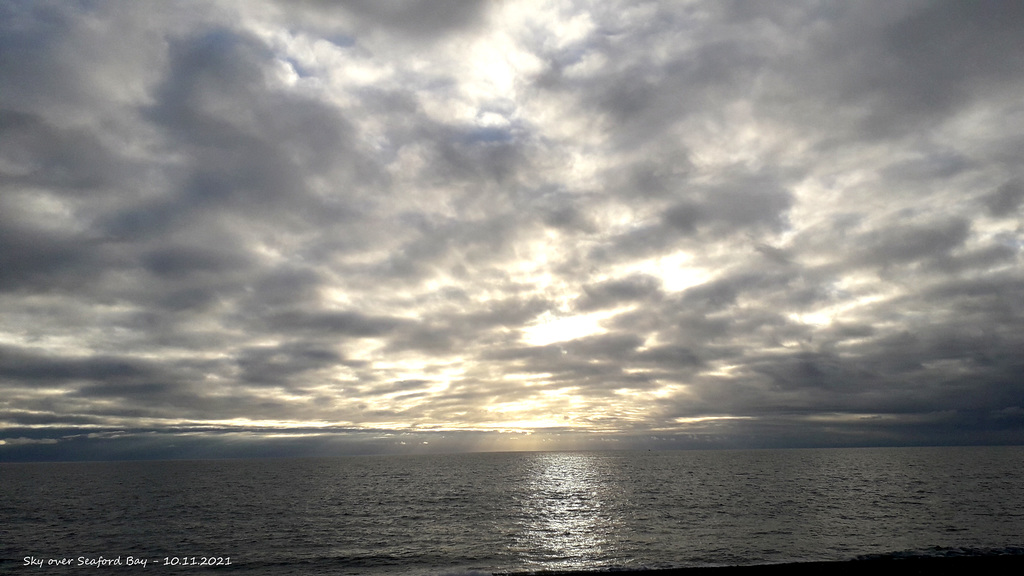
940	561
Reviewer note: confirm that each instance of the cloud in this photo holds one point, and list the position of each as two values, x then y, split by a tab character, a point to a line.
615	292
317	227
1005	200
398	20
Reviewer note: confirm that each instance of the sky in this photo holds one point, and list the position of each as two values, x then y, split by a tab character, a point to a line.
240	228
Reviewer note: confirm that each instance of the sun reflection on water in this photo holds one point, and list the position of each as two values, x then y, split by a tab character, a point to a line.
562	521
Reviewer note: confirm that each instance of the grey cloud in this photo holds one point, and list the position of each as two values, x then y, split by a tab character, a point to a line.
420	21
33	153
248	147
642	96
25	365
684	217
404	388
152	391
749	201
49	418
33	64
818	371
1001	286
741	202
346	323
653	177
276	365
44	260
178	261
568	218
474	155
774	254
930	168
462	328
714	295
503	313
613	292
425	338
670	356
842	331
437	240
605	346
677	320
284	286
950	45
983	258
897	69
907	243
1005	200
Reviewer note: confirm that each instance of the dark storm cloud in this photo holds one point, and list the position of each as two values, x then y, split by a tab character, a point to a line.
745	223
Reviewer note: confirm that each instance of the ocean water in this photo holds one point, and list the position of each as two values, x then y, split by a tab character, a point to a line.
509	512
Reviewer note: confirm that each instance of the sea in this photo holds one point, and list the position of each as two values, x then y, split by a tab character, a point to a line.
513	512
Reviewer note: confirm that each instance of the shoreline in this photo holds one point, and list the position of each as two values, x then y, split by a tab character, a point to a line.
919	565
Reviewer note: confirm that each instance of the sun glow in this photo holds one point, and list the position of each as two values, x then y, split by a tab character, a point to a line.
673	271
701	419
550	329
